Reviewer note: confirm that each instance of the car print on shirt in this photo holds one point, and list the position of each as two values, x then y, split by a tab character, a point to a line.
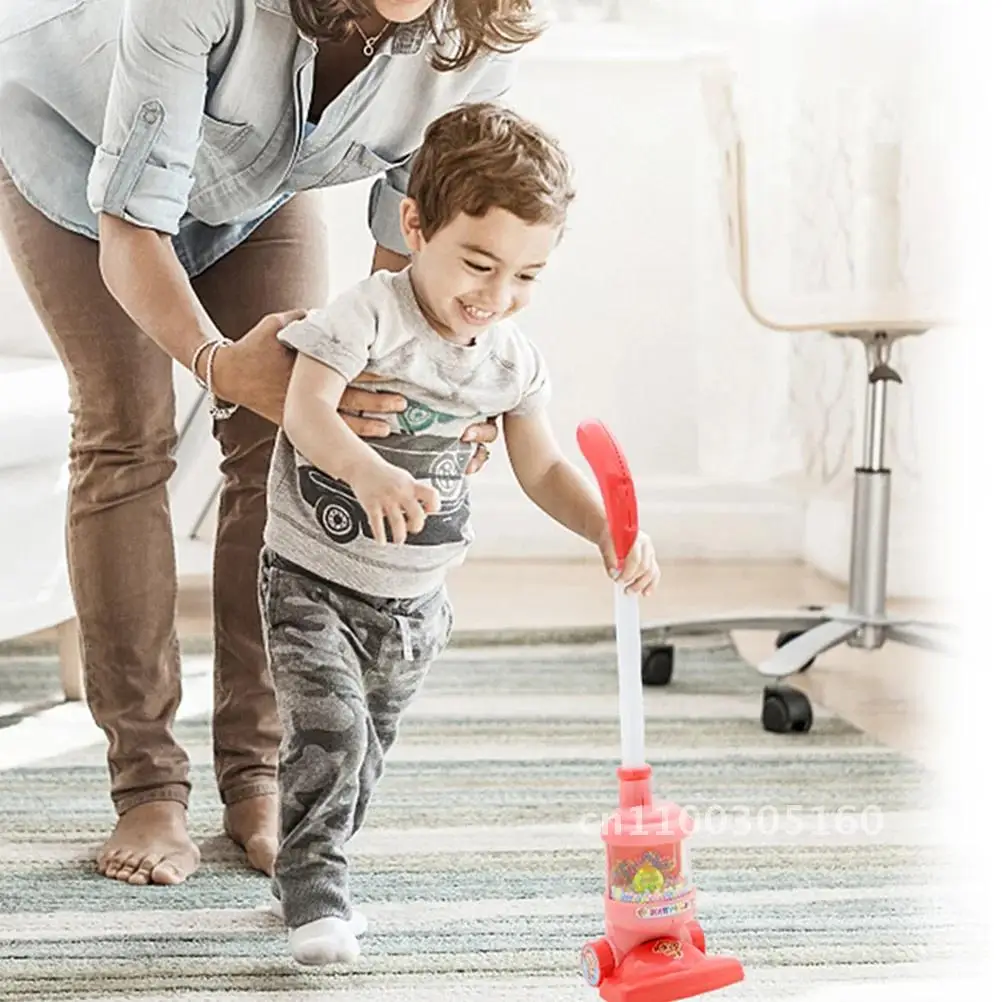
418	417
342	518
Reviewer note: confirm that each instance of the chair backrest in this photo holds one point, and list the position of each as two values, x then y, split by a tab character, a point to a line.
718	100
717	93
847	310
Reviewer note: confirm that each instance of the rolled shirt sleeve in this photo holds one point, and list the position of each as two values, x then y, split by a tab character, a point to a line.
142	170
389	191
385	199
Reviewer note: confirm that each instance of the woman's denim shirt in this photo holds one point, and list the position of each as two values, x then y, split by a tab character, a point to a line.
190	116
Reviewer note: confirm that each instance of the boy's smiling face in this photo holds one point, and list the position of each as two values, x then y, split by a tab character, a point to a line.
475	271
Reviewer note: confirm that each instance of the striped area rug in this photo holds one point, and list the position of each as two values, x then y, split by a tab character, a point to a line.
481	867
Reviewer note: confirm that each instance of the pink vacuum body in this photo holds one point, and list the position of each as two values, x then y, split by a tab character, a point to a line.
653	949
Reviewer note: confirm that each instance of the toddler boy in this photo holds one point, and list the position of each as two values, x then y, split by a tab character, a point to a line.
361	533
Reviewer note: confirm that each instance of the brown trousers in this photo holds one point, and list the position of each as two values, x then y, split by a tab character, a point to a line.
119	536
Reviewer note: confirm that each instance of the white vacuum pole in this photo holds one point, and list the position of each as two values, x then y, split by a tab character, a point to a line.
631	693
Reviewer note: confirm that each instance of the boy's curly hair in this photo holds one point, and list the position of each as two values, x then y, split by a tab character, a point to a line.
482	156
475	25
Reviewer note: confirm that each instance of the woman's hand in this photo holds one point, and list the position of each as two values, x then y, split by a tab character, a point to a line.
483	435
356	402
254	372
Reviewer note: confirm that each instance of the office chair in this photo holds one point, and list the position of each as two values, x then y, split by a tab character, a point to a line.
803	634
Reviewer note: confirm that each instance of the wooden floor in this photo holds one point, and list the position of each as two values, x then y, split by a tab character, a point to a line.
890	693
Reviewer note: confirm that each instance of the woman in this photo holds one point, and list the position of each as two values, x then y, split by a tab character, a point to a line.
151	160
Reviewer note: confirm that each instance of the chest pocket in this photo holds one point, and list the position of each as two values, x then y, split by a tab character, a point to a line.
358	163
224	170
223	137
217	153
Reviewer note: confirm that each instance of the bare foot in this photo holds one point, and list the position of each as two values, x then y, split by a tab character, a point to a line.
253	825
150	845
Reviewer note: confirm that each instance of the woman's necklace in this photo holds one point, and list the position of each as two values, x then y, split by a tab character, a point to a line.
370	43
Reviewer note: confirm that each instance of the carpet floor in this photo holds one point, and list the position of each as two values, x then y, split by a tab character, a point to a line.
481	868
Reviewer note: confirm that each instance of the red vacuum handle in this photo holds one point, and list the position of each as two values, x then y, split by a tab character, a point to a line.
608	463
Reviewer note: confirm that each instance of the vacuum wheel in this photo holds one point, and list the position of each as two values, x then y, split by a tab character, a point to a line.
786	710
598	962
658	665
784	638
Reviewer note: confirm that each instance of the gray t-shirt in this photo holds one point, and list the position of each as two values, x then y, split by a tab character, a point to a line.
377	327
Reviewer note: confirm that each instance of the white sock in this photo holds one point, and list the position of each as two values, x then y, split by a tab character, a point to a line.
358	923
326	941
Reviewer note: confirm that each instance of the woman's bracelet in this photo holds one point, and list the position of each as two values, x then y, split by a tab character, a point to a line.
194	363
217	408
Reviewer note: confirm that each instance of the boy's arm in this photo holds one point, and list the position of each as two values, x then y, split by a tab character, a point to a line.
549	479
316	429
560	490
389	495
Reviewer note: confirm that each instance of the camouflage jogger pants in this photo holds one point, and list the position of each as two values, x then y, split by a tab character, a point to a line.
345	667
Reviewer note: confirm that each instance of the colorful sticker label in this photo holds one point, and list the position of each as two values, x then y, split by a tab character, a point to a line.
665	909
650	877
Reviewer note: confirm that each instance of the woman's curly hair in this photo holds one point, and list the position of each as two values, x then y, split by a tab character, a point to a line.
475	25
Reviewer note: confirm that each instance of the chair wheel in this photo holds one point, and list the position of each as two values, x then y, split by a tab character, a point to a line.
658	665
785	638
786	710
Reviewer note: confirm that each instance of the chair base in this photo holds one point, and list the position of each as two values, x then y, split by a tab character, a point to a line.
863	623
809	633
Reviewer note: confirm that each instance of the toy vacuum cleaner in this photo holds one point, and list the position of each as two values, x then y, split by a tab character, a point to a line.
653	949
